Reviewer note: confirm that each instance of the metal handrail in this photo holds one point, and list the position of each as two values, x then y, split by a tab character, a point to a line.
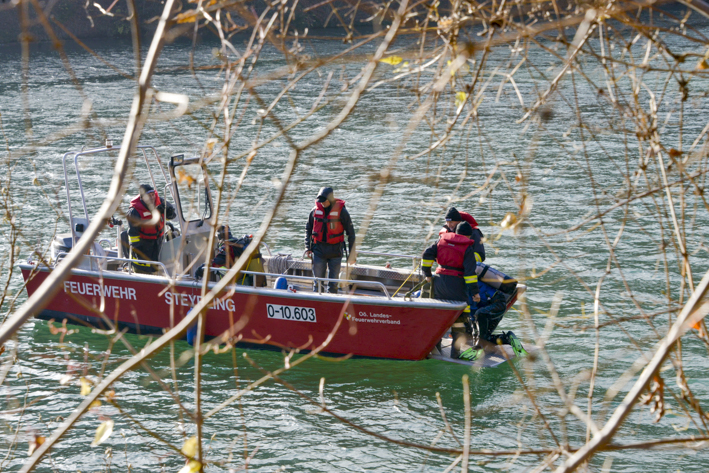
361	252
61	256
312	278
162	169
68	195
267	248
393	255
77	155
150	171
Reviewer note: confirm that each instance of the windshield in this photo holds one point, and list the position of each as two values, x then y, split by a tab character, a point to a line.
192	194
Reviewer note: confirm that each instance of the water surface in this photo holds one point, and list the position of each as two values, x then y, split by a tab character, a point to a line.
275	427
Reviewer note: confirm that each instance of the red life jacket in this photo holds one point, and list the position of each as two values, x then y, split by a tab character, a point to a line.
466	218
451	253
149	232
335	230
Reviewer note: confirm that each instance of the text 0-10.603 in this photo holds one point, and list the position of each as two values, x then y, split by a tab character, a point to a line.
289	312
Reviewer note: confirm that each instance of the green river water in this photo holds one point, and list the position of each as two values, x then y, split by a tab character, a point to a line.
394	398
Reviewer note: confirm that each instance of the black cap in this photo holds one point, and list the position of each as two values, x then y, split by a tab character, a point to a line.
146	188
464	228
223	232
453	215
324	192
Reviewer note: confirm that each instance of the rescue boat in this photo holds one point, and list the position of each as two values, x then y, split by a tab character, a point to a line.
381	319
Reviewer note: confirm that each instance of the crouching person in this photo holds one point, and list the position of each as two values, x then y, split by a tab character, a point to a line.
489	311
230	249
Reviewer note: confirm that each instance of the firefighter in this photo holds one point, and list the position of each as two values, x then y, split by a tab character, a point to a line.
325	236
456	278
453	218
229	249
145	233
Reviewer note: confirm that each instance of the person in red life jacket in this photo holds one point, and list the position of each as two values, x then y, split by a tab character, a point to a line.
145	235
229	249
456	279
453	218
325	236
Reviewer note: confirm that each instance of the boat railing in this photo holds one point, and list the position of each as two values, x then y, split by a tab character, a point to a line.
318	280
105	240
413	259
268	248
108	259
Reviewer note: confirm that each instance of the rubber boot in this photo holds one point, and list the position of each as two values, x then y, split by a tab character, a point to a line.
460	338
509	338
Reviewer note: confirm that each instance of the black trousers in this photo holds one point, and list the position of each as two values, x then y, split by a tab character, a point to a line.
146	250
452	288
490	316
332	266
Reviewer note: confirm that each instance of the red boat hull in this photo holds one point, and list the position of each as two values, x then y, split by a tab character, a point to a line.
370	326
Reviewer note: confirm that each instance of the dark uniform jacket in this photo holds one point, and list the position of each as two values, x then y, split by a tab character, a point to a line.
327	250
146	249
454	287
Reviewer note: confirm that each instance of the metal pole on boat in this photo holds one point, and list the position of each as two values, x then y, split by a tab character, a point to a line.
119	242
347	265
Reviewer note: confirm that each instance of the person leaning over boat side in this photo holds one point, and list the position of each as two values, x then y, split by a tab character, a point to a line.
229	249
146	237
325	236
456	278
453	218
